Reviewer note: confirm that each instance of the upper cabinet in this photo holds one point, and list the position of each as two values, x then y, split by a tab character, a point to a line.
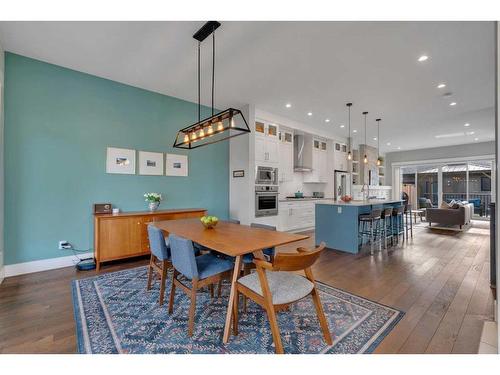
340	156
319	173
266	143
285	171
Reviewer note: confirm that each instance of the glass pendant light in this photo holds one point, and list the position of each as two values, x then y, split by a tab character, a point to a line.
379	163
219	126
365	159
349	154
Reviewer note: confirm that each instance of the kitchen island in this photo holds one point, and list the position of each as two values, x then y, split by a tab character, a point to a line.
337	222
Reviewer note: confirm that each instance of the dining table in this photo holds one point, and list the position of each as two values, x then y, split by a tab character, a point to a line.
234	240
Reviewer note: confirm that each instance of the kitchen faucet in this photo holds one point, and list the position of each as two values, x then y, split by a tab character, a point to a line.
366	191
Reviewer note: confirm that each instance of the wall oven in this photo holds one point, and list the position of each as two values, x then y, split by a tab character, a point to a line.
266	201
266	176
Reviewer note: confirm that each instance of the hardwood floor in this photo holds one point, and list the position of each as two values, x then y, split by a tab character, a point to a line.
440	279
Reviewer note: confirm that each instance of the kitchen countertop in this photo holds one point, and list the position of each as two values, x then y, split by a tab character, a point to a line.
370	202
303	199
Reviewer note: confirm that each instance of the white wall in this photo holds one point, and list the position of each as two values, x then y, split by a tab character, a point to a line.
241	157
1	162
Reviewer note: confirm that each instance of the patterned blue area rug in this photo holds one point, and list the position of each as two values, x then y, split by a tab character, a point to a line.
115	314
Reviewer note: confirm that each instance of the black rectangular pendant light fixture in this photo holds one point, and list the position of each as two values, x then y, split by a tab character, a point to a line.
213	129
220	126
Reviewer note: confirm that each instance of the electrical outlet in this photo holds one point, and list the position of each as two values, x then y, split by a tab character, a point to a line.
63	245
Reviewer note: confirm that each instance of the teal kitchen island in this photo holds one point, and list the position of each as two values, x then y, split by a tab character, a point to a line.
337	222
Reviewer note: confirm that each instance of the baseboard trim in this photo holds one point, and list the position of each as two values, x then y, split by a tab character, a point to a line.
43	265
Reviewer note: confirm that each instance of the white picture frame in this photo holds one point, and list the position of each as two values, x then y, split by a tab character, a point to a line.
176	165
151	163
120	160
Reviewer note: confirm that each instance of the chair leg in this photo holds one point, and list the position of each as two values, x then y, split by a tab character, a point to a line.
235	313
321	317
273	322
150	272
211	288
246	271
163	280
192	308
219	288
172	292
371	237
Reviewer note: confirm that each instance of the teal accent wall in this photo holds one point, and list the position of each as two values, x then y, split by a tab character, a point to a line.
58	124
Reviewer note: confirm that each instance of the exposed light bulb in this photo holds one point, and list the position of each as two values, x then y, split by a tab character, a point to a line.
210	130
193	136
202	133
232	122
349	156
186	138
379	162
220	126
365	160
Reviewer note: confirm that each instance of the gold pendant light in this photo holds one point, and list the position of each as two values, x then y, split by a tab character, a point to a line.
349	153
365	159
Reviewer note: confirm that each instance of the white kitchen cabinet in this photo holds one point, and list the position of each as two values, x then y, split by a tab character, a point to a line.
340	157
266	143
296	215
285	170
319	172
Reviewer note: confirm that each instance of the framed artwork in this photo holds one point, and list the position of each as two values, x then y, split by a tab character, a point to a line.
176	165
120	160
151	163
239	173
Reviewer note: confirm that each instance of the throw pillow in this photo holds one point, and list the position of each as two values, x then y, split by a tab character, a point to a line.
444	205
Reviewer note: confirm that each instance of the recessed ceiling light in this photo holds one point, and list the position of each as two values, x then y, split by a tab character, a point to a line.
423	58
441	86
342	126
399	147
470	133
476	139
374	138
466	124
288	105
309	113
453	104
354	131
450	135
327	120
388	143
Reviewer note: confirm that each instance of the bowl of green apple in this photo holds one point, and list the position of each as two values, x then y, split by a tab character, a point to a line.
209	221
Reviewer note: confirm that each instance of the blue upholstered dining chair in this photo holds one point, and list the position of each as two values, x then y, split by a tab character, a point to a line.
204	270
160	258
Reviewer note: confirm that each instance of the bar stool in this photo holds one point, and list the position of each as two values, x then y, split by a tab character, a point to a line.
387	225
408	216
398	222
372	220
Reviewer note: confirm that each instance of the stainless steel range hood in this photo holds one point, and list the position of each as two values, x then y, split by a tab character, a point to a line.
302	152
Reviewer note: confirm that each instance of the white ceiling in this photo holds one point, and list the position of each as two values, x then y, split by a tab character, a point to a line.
315	66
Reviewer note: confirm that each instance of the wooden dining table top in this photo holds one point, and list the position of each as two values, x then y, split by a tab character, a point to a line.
228	238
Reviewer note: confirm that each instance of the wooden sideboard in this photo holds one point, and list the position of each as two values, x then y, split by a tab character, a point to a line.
125	235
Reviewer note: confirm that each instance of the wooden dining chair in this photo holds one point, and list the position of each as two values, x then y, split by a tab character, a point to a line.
160	258
276	285
203	270
247	259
